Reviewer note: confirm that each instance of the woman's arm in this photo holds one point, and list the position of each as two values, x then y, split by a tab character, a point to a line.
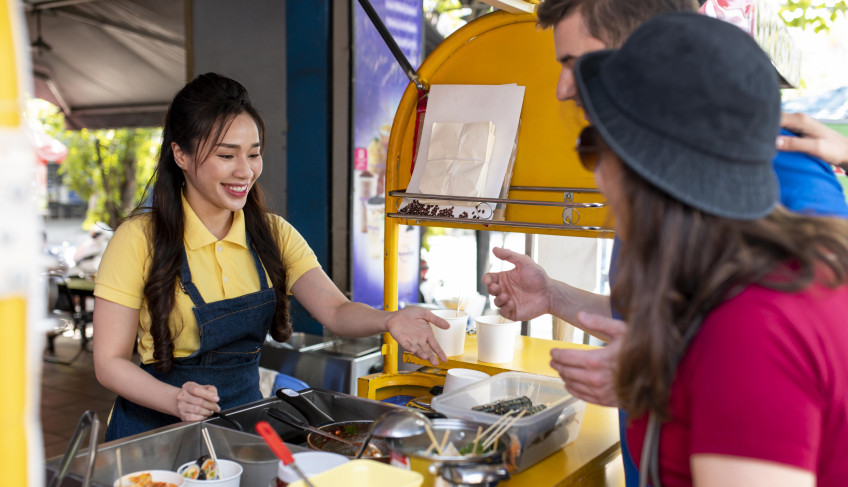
729	471
114	338
409	326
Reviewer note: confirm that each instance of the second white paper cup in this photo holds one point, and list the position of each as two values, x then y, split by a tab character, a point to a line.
496	338
451	340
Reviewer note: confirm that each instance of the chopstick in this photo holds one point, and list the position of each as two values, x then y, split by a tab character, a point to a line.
211	449
120	473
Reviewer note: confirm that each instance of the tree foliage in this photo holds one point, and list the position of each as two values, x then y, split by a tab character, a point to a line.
818	14
109	168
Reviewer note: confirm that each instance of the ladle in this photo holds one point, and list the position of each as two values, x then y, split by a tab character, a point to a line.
280	449
292	421
397	423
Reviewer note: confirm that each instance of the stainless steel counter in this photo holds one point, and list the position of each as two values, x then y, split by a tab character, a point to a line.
168	448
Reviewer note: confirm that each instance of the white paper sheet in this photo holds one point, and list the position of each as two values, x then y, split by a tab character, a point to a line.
499	104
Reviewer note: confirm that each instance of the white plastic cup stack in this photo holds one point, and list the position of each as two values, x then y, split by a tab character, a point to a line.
458	378
496	338
451	340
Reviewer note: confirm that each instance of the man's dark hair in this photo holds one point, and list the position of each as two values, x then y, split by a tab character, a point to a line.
610	21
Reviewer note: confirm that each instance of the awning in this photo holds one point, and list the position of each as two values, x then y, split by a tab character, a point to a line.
106	64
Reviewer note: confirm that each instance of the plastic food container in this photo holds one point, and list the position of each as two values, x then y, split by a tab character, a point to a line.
540	434
364	473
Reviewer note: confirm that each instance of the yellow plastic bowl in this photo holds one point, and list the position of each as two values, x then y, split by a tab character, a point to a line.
365	473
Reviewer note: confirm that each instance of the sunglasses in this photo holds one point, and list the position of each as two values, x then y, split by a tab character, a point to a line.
589	147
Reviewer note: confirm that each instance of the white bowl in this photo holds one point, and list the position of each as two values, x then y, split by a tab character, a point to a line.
158	476
229	474
311	463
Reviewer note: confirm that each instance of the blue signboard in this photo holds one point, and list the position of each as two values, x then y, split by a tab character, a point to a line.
378	84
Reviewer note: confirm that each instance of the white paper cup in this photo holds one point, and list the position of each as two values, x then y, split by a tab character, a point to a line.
229	475
496	339
451	340
310	463
458	378
158	476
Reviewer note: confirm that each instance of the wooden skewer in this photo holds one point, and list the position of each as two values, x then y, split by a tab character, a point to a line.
433	441
497	423
495	427
476	439
430	449
494	440
444	441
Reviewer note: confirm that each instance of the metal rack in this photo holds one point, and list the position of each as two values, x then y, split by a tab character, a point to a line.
570	213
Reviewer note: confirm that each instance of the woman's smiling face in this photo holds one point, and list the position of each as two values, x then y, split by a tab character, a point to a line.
221	182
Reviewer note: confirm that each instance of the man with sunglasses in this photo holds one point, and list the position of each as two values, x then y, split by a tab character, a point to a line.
525	292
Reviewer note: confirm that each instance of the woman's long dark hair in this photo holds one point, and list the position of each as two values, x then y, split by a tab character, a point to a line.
199	116
678	263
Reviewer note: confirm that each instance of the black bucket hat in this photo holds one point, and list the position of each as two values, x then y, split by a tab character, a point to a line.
691	104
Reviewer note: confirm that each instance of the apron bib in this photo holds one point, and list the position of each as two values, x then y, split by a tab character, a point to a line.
232	332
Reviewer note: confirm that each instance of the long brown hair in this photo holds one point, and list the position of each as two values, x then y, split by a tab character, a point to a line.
200	113
678	263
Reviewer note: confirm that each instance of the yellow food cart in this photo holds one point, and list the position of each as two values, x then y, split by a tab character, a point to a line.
549	193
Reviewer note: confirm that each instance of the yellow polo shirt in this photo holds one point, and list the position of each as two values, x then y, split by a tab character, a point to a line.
221	269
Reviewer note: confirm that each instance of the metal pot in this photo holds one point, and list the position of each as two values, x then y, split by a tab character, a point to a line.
354	431
486	469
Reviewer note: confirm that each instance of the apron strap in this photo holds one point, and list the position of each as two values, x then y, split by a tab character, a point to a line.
189	288
263	276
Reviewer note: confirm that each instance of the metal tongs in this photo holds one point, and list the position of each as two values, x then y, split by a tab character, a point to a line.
87	422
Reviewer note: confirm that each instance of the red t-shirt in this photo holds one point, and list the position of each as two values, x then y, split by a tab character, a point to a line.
765	378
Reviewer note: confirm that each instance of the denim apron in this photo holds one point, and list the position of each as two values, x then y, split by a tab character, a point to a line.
231	335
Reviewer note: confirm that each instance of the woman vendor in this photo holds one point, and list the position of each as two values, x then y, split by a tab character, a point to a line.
200	276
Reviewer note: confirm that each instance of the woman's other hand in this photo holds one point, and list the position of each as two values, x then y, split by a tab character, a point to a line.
590	374
196	402
814	138
410	326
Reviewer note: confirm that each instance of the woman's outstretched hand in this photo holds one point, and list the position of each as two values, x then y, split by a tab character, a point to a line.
410	326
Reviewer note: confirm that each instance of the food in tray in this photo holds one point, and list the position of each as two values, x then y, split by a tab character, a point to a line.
146	480
503	406
204	468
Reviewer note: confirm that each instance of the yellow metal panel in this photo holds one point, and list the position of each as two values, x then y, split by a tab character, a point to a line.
9	93
381	386
13	366
502	48
532	355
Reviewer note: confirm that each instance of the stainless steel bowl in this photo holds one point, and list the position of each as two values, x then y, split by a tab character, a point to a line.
486	469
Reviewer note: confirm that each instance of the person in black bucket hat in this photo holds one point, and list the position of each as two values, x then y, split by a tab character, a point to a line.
692	105
735	366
